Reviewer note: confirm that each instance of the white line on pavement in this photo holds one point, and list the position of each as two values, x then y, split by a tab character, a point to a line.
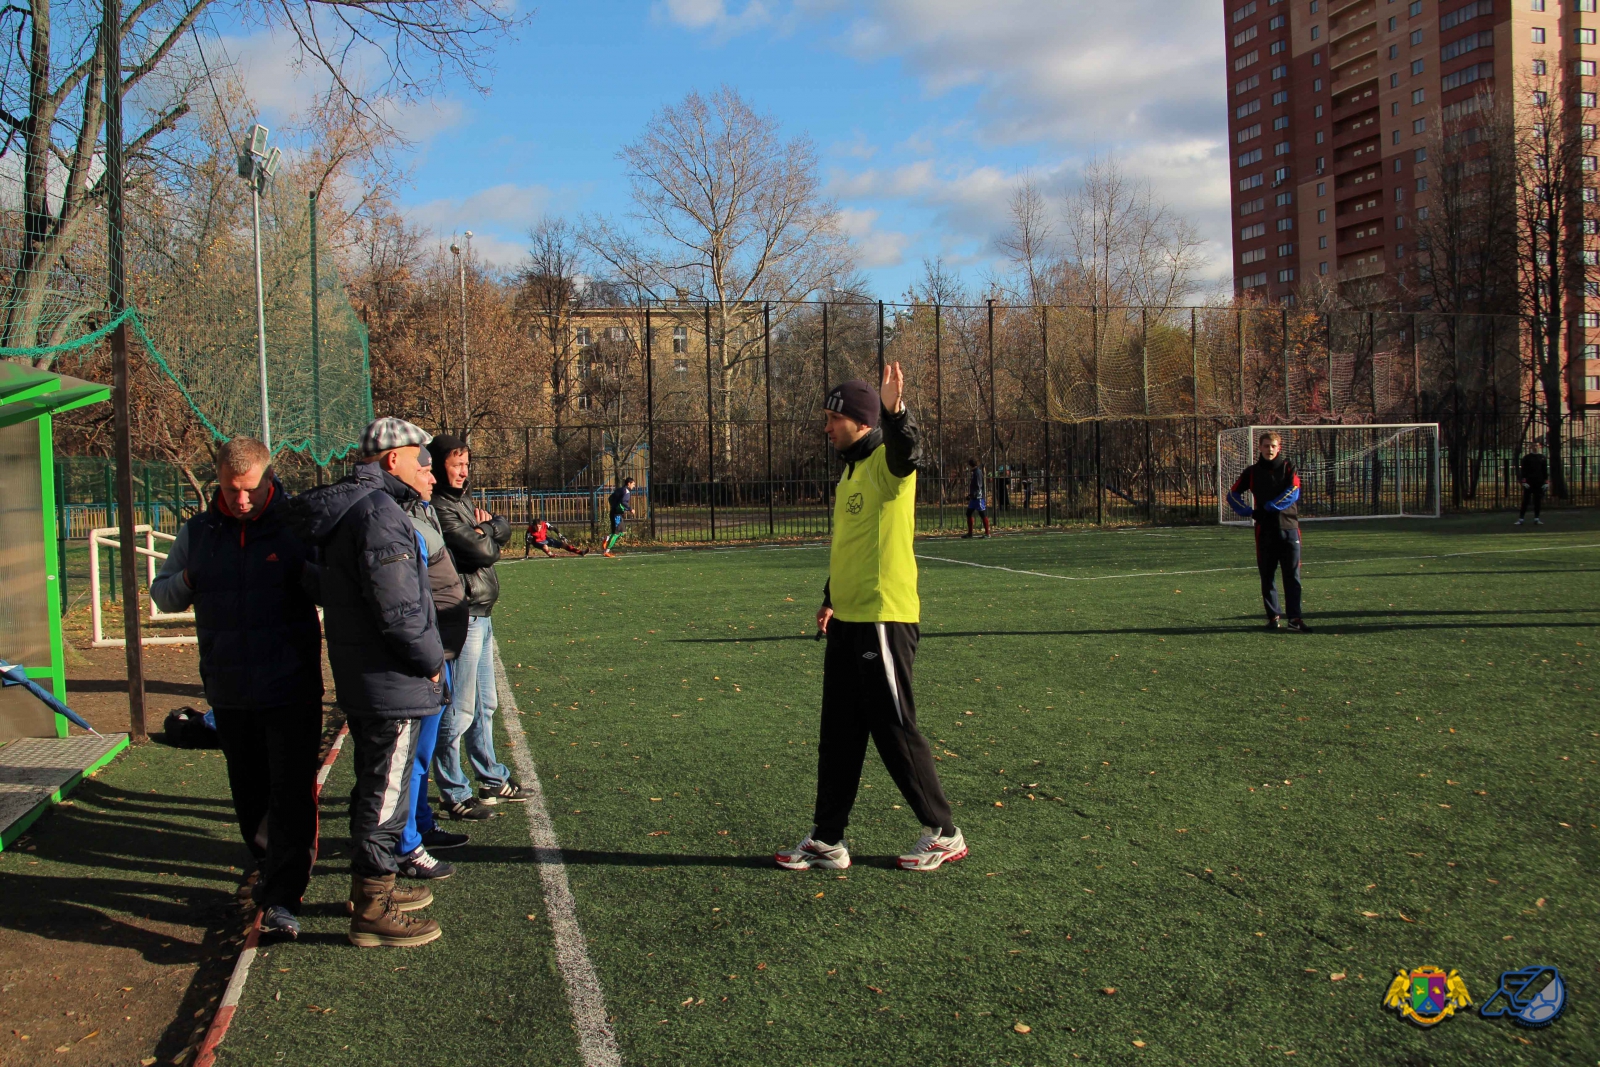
596	1040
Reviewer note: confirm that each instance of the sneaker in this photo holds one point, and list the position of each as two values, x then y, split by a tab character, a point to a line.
471	810
1299	626
422	867
966	537
1538	522
1272	622
607	554
1519	522
934	849
437	839
811	853
279	922
510	791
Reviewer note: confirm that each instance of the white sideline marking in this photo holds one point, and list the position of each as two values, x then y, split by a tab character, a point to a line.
1215	570
241	975
596	1041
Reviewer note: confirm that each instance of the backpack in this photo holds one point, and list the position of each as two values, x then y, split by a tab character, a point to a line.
186	727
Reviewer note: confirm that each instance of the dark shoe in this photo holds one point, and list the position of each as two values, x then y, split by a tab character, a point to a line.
1272	622
279	922
510	791
966	536
437	839
1299	626
471	810
421	867
377	922
401	897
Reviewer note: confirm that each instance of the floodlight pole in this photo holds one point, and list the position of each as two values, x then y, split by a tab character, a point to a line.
111	45
461	276
261	309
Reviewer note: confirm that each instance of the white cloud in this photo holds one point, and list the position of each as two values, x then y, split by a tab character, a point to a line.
505	205
874	247
713	15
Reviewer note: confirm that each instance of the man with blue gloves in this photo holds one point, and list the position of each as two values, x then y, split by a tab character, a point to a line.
1274	486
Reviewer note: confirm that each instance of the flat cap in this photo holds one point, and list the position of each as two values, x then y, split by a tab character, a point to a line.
389	432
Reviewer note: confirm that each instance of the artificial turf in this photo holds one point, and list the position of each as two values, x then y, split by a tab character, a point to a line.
1183	828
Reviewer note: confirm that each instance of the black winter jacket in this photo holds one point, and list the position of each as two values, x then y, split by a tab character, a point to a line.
475	546
1535	470
449	597
260	641
383	634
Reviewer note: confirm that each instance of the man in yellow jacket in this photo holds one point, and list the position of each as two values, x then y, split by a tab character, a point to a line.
870	613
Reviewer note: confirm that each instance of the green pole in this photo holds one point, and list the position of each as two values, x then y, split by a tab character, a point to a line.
316	351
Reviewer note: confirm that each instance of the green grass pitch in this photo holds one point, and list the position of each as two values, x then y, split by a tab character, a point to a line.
1161	799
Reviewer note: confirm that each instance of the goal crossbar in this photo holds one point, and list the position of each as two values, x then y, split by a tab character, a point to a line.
1347	471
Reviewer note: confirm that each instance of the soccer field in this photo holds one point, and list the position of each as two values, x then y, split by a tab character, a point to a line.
1184	829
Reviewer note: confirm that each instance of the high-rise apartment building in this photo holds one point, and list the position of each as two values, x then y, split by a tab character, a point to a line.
1330	104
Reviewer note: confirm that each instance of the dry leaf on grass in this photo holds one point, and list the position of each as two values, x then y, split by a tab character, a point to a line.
1109	990
1336	976
1023	1028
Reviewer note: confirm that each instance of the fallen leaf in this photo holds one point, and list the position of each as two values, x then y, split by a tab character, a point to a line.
761	966
533	918
1138	1044
876	990
1023	1028
1109	990
1370	914
63	1048
87	1036
147	1061
1539	903
817	897
659	833
1336	976
1406	917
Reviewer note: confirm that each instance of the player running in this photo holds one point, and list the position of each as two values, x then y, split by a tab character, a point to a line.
544	536
869	613
975	504
621	505
1275	486
1535	476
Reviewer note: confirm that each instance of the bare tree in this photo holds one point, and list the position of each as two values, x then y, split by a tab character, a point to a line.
56	112
549	291
1030	242
1127	246
728	212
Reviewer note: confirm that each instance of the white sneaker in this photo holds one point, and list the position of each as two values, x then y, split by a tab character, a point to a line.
1538	522
934	849
811	853
1519	522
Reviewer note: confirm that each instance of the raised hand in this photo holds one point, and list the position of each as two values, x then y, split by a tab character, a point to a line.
894	387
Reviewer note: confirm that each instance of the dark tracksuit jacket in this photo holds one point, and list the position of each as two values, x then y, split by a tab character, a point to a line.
1535	475
253	592
384	645
474	546
872	637
1275	487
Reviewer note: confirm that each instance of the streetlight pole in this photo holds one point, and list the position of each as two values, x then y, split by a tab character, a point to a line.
257	165
461	276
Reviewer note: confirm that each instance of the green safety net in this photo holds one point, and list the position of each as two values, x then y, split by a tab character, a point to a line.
196	321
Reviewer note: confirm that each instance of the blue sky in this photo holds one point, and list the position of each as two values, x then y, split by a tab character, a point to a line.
925	113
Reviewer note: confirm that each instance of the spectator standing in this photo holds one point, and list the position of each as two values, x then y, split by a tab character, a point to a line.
387	657
1535	476
975	503
246	575
474	538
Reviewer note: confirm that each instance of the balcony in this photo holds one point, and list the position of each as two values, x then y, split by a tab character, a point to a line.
1345	98
1365	266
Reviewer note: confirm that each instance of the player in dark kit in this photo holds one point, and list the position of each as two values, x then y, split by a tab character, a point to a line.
1274	484
1535	475
870	614
975	503
621	505
544	536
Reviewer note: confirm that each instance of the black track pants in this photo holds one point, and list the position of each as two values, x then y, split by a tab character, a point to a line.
866	691
381	798
272	774
1531	495
1277	549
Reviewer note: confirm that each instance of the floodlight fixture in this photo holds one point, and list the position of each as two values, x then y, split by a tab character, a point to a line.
256	140
274	161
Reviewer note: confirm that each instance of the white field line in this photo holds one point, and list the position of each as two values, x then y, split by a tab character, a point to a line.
1215	570
596	1041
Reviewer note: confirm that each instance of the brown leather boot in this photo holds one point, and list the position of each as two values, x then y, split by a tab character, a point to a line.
402	897
376	921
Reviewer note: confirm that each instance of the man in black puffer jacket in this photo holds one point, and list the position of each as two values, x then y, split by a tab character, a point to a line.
245	573
474	538
387	658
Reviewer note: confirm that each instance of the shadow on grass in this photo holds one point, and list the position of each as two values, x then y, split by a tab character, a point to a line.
152	685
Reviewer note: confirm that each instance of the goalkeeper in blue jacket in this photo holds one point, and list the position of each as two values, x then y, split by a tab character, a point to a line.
1274	485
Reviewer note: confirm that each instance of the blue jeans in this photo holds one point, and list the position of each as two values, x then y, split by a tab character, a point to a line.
470	717
420	819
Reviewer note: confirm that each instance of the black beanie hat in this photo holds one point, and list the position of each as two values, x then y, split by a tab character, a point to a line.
444	444
856	400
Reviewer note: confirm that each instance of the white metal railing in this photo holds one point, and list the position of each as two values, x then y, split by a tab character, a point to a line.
107	537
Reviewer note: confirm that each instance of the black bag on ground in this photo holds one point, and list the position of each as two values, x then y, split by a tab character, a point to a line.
186	727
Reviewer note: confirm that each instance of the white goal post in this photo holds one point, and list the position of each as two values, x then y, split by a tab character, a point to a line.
1370	471
110	537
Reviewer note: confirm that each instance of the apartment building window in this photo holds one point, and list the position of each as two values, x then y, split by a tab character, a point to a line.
1276	22
1316	112
1392	23
1583	5
1394	81
1246	37
1394	137
1249	132
1417	66
1322	242
1255	255
680	339
582	402
1252	280
582	337
680	364
1589	257
1589	320
1586	100
1394	51
1313	7
1322	268
1250	233
1250	183
1280	97
1285	250
1422	214
1589	163
1285	224
1316	31
1591	384
1394	108
1591	226
1277	46
1419	125
1280	72
1281	122
1587	130
1418	96
1538	34
1286	275
1539	66
1399	251
1250	207
1319	137
1422	187
1322	214
1322	190
1399	195
615	333
1250	157
1247	59
1584	68
1244	110
1540	98
1285	199
1591	288
1415	9
1282	173
1316	59
1416	38
1583	37
1321	161
1536	5
1245	86
1245	12
1588	194
1398	162
1281	148
1316	85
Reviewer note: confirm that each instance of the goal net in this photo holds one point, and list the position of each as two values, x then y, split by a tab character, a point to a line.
1346	472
